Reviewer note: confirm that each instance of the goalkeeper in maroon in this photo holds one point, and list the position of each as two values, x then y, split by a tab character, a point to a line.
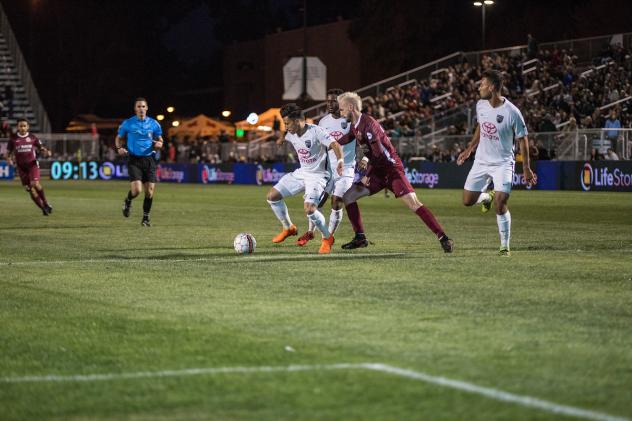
384	169
22	150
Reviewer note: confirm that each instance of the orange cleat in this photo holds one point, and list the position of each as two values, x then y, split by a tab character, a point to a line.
325	246
305	238
279	238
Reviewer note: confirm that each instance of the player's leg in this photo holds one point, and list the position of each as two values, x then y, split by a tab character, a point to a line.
475	186
350	199
147	202
40	192
342	185
314	192
309	234
135	188
412	202
288	185
35	198
503	178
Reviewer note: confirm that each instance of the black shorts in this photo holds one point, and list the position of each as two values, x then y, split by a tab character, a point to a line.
142	168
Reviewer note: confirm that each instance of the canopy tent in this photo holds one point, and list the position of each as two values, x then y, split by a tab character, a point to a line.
85	122
265	123
200	126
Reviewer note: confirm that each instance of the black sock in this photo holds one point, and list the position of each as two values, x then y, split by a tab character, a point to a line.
147	205
129	196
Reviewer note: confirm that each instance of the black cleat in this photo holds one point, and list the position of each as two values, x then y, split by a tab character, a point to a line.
45	212
145	222
49	209
446	244
127	206
356	243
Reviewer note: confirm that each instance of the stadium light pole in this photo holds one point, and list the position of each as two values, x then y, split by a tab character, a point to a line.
483	5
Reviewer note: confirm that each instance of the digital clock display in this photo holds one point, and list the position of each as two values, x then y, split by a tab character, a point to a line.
87	170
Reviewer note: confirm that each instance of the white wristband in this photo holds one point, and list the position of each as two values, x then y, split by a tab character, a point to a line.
365	159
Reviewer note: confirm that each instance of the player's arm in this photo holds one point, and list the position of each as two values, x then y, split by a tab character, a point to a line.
42	149
348	138
335	146
118	145
529	175
476	137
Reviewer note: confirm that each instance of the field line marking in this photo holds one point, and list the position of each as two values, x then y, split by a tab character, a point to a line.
496	394
488	392
240	259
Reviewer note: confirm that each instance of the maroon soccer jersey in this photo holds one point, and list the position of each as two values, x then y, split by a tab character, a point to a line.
24	148
381	152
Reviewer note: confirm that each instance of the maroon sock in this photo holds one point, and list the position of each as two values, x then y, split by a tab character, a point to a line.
430	221
353	213
37	201
42	196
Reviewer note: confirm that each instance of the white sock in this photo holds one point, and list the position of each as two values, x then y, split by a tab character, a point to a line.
310	224
484	197
334	220
319	221
280	210
504	228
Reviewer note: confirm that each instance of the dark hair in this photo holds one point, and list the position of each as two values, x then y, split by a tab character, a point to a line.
291	111
335	91
22	120
140	98
495	77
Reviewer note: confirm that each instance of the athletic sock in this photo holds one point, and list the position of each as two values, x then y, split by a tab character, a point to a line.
334	220
504	228
129	196
280	210
42	196
483	197
147	205
310	224
37	200
319	221
353	213
429	219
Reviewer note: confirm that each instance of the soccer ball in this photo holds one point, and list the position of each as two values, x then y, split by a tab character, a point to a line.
244	243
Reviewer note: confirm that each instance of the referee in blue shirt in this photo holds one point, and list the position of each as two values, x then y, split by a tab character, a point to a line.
144	137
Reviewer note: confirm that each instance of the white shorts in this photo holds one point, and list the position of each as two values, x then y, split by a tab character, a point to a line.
481	174
297	181
339	184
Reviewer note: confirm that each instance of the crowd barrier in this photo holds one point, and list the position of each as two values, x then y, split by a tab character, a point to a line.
552	175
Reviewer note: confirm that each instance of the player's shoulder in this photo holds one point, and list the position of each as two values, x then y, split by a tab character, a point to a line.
482	103
512	108
325	119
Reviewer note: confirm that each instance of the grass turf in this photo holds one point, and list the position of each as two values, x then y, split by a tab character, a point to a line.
88	292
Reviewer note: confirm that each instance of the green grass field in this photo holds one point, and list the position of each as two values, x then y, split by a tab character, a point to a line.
88	292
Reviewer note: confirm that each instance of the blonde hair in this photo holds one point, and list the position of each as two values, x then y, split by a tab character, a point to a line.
353	98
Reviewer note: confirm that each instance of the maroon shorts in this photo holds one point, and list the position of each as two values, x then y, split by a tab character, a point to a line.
392	178
29	173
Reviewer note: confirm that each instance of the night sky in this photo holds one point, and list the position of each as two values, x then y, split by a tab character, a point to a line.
90	56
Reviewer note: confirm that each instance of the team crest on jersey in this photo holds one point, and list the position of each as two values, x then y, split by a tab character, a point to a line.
369	136
499	118
308	144
344	124
150	133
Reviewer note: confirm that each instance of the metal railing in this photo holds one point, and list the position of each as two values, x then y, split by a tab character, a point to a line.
24	73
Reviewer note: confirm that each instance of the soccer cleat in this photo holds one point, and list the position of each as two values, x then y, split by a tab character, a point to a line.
127	206
305	238
357	242
486	206
504	252
44	212
446	244
325	245
145	222
280	237
49	208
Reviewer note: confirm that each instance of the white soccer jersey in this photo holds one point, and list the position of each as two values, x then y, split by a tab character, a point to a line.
498	128
311	148
338	127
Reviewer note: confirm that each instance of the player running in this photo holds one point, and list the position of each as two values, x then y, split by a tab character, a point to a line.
310	142
499	123
384	169
339	128
144	136
21	150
